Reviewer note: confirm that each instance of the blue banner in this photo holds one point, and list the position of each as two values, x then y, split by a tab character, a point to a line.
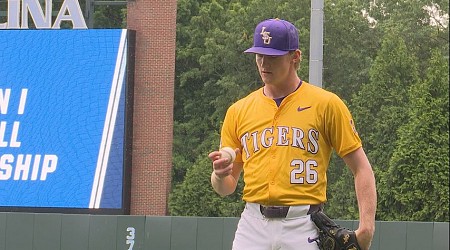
62	105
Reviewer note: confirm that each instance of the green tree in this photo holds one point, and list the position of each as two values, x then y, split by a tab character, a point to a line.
110	16
349	53
420	30
195	196
341	194
370	67
350	44
206	80
379	108
418	172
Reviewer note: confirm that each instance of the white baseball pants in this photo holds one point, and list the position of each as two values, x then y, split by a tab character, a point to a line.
295	232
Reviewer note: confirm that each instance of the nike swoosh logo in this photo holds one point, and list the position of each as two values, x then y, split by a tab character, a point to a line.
301	109
312	240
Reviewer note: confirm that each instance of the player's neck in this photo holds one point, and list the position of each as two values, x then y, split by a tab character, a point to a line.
275	91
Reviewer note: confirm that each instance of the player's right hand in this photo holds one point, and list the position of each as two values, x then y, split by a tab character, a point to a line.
221	166
364	238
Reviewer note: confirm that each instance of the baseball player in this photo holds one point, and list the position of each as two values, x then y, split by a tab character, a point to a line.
283	135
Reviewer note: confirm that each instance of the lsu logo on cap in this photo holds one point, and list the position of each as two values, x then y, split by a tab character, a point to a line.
274	37
265	35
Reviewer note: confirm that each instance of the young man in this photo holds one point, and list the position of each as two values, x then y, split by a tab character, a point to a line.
283	135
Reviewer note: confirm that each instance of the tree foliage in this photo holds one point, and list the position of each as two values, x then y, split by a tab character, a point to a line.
418	172
107	16
379	107
350	46
195	197
377	68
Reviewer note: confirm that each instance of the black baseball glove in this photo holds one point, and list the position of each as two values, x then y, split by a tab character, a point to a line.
332	236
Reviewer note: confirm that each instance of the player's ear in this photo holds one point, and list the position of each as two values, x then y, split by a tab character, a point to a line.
296	56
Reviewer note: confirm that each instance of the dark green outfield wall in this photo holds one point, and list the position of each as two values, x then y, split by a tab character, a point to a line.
37	231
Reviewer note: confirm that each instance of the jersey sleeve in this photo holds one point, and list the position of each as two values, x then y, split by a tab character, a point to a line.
341	130
229	135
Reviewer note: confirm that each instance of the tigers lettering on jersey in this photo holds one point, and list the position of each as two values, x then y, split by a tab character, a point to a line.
286	149
280	134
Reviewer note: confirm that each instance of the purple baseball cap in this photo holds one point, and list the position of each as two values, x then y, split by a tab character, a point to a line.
274	37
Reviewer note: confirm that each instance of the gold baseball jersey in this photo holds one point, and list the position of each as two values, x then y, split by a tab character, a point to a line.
286	150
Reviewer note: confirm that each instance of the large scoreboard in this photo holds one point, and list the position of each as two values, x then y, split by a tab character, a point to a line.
65	120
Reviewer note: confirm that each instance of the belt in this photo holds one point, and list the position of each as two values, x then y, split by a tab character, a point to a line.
282	211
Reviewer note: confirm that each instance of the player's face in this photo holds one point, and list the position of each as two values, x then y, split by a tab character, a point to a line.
274	70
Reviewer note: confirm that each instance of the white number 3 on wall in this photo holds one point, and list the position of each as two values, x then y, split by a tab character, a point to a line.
130	237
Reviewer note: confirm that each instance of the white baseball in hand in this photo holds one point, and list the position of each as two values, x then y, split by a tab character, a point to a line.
228	153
